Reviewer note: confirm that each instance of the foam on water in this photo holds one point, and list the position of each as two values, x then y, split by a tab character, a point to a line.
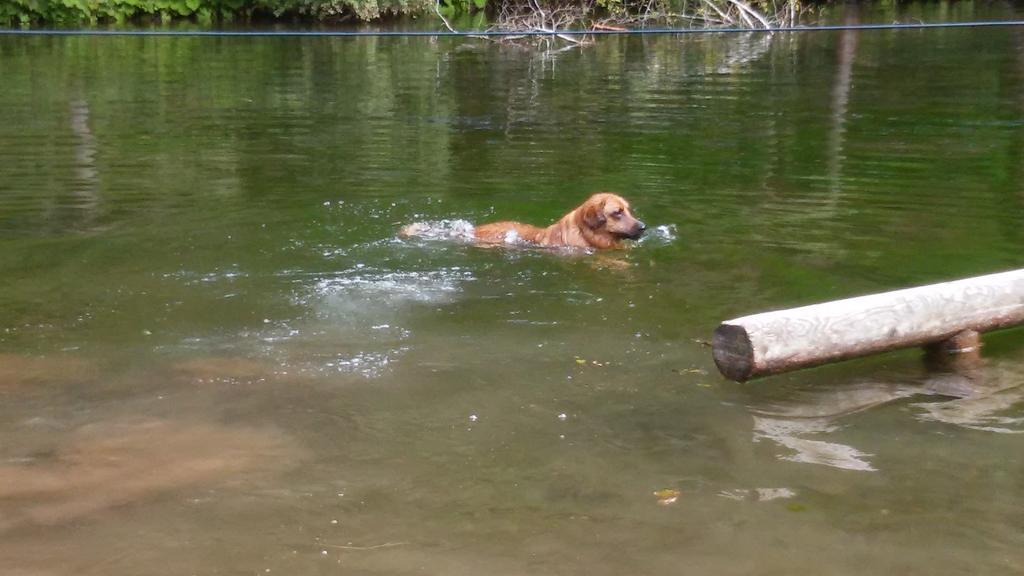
758	494
192	278
351	322
357	318
365	364
361	285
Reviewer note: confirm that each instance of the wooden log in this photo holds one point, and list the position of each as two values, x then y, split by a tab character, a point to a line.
784	340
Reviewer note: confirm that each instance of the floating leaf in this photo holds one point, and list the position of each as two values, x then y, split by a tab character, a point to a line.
666	496
681	371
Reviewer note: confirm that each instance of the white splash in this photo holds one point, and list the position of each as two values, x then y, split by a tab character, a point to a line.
661	235
365	364
359	286
512	237
459	230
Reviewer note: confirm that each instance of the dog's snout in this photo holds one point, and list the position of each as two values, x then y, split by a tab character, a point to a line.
638	229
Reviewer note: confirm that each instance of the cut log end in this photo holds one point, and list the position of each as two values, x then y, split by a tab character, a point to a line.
733	352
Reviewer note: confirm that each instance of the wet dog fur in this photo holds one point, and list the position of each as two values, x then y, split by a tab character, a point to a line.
602	222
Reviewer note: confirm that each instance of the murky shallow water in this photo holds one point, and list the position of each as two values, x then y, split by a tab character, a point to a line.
216	357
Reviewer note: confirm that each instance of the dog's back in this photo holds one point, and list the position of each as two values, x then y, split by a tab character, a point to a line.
507	233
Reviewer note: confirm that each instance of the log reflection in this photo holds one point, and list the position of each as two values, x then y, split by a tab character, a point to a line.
957	389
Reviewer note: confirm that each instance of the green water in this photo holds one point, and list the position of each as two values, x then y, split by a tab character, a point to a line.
216	357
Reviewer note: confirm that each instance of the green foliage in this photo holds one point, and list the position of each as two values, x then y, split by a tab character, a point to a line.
612	7
456	7
76	12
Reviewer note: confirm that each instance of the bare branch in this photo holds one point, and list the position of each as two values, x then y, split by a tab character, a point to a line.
437	9
723	15
744	7
553	17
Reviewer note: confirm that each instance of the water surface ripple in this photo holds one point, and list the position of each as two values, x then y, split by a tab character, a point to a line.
217	356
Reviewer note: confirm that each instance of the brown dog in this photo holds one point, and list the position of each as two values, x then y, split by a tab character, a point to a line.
603	221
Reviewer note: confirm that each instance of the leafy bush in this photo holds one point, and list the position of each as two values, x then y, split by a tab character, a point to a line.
72	12
552	13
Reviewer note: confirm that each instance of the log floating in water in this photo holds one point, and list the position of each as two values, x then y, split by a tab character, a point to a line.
784	340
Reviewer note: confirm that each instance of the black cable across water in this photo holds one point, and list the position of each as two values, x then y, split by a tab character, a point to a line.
441	33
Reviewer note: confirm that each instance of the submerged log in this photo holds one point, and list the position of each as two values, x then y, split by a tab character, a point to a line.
784	340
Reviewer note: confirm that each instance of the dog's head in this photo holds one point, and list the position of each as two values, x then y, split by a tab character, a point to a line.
609	214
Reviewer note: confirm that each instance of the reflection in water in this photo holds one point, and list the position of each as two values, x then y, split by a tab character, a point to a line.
791	434
740	50
996	411
86	187
965	392
819	212
109	464
988	397
800	422
847	52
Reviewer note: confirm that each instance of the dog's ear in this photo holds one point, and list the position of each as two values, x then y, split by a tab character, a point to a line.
593	214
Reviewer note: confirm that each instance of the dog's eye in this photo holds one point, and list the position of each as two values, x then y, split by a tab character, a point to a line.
617	213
